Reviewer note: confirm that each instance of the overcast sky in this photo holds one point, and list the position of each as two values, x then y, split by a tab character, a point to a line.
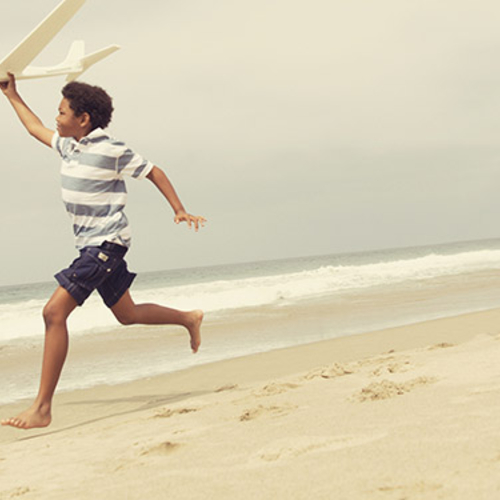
295	127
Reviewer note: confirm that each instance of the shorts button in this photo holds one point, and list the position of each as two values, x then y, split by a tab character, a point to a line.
108	270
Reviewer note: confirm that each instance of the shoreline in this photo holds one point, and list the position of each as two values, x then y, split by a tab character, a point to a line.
124	354
276	363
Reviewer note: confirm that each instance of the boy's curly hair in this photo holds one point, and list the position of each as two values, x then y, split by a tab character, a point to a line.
85	98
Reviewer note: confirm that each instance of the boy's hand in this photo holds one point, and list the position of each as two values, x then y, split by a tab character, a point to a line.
9	87
197	220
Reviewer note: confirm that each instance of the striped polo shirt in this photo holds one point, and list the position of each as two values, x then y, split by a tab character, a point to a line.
93	186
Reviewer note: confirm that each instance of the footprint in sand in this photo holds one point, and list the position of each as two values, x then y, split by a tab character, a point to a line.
263	411
333	371
386	364
410	489
442	345
378	366
228	387
273	389
170	412
397	366
18	492
386	389
289	448
161	449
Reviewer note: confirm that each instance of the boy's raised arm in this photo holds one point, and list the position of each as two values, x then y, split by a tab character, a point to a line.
32	123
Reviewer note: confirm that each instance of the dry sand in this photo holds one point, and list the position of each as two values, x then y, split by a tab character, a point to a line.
406	413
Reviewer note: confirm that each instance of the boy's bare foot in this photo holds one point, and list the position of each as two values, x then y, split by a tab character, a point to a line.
194	325
36	416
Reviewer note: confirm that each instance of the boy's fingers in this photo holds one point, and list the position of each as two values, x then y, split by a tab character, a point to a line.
191	220
200	222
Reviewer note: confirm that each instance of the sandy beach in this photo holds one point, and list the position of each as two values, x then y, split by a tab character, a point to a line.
403	413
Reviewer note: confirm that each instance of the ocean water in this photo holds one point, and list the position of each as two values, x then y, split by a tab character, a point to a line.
435	281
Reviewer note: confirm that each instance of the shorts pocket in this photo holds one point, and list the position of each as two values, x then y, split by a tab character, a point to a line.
89	271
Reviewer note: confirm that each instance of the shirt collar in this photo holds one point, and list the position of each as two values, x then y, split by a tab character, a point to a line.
97	133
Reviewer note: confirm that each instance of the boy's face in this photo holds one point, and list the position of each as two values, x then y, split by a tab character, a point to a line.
68	125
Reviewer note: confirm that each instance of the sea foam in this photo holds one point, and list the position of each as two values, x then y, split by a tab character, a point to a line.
22	319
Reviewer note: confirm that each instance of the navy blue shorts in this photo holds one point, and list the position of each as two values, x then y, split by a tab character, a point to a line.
102	268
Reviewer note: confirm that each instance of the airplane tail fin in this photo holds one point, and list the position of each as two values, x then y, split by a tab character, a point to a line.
76	52
88	60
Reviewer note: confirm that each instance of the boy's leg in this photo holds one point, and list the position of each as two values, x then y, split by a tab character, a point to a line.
55	313
129	313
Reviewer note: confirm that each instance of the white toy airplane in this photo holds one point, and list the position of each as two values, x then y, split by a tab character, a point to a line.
75	63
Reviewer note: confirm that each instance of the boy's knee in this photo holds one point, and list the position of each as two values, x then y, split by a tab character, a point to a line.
127	318
52	314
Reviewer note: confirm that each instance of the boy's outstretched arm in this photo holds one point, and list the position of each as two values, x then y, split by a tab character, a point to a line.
32	123
158	177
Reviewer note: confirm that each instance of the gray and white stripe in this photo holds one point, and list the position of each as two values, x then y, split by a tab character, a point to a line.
93	187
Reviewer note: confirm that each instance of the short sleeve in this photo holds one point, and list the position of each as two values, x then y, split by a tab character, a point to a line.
133	165
60	144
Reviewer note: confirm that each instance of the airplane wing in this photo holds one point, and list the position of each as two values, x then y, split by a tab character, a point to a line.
35	42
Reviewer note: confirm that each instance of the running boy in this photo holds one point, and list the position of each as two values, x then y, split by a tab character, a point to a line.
93	191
